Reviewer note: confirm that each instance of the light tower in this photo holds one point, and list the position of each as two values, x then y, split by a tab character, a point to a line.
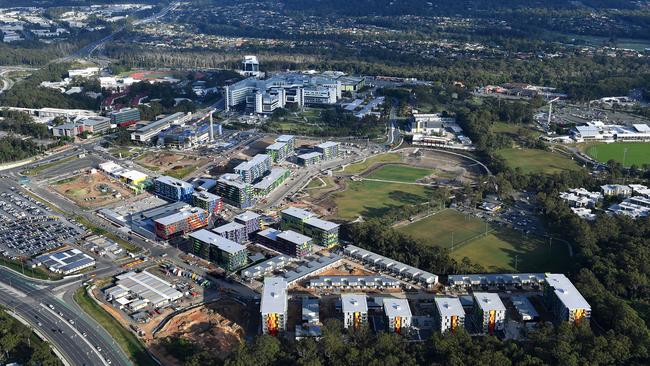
211	126
550	111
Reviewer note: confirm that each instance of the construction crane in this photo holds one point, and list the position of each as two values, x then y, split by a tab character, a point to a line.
550	111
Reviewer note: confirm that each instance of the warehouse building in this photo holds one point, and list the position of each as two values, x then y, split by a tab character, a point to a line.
489	313
254	169
233	231
173	189
274	305
398	314
143	286
235	191
328	149
207	201
450	314
251	220
65	262
125	117
226	253
564	300
181	222
355	310
397	269
310	158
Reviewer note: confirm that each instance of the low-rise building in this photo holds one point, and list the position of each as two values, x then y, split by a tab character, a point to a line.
147	131
290	140
634	207
489	313
450	314
270	182
564	300
355	310
616	190
274	305
293	243
207	201
398	315
278	151
233	231
310	158
226	253
65	262
251	220
143	286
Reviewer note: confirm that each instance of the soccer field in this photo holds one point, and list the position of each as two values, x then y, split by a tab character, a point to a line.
500	250
400	173
626	153
373	199
537	161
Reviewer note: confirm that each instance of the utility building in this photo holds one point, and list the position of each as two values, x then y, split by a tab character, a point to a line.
450	314
489	312
273	306
355	310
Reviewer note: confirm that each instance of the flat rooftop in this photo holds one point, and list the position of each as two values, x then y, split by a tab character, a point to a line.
285	138
449	306
219	241
271	178
206	196
228	227
293	237
298	213
174	182
488	301
274	296
148	286
566	292
250	164
322	224
276	146
327	144
310	155
181	215
397	307
269	233
351	303
247	216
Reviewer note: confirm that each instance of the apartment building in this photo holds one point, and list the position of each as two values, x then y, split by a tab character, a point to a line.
251	221
355	310
125	117
290	140
274	305
270	182
278	151
226	253
173	189
233	231
450	314
310	158
254	169
235	191
207	201
398	315
616	190
488	312
328	149
286	242
564	300
180	223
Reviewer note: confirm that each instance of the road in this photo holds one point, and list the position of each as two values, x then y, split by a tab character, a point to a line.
5	82
31	299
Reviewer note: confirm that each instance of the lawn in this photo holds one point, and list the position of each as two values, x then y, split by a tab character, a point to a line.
400	173
315	183
127	340
373	199
361	167
182	172
638	153
537	161
499	251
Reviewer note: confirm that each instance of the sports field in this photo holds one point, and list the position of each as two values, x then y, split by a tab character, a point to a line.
400	173
373	199
358	168
638	153
500	250
537	161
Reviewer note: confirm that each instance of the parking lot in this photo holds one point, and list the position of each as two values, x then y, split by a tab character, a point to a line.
28	227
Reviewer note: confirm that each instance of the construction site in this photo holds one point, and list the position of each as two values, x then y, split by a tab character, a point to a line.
93	189
174	164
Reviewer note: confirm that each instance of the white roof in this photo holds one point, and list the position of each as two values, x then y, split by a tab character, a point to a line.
274	295
354	302
219	241
449	306
298	213
133	175
321	224
488	301
396	307
566	292
109	167
149	287
641	127
294	237
327	144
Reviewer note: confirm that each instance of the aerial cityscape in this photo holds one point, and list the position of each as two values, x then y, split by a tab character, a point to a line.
302	182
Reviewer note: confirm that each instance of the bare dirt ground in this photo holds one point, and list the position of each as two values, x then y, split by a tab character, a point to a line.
215	327
165	162
93	190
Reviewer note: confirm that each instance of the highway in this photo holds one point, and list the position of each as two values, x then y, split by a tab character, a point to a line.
32	298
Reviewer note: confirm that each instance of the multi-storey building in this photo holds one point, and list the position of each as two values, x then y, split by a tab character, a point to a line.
235	191
310	158
329	150
232	231
286	242
173	189
325	233
489	313
254	169
145	131
274	305
355	310
226	253
182	222
251	220
564	300
398	315
270	182
450	314
278	151
290	140
207	201
125	117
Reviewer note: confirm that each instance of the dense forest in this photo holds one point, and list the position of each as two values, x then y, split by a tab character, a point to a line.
18	344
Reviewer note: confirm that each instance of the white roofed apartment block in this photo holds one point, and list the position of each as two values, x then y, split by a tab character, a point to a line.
398	313
274	304
355	310
489	312
564	300
450	314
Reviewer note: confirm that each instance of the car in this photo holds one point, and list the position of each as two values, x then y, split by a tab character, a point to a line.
40	324
51	306
84	334
71	321
99	348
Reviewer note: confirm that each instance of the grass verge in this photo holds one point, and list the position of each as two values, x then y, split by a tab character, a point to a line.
537	161
361	167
